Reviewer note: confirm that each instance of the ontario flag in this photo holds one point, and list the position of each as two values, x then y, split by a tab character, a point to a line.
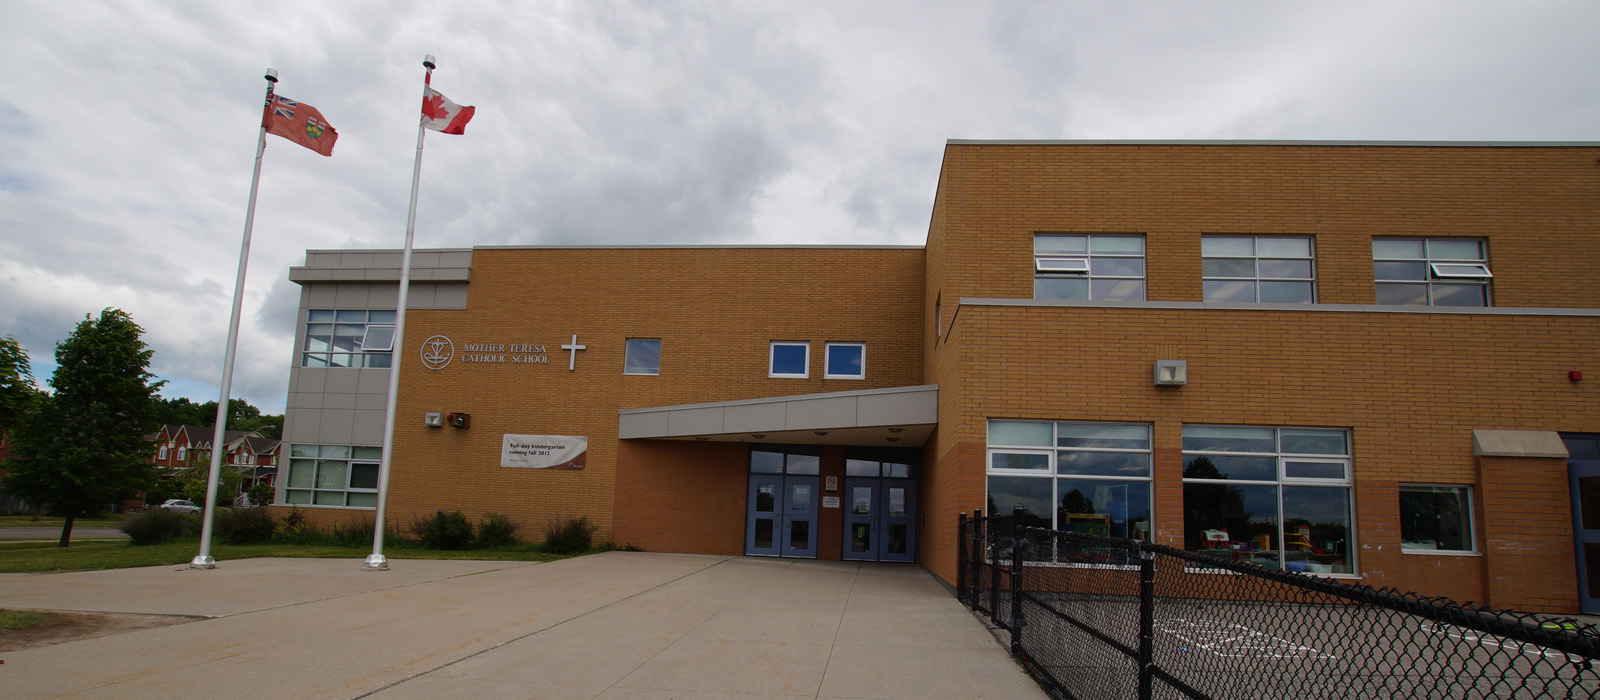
440	114
300	123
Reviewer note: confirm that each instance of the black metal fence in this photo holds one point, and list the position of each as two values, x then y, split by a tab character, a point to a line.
1101	617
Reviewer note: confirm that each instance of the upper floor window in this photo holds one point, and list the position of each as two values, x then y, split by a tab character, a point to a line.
348	338
642	356
1258	269
162	452
845	361
1431	271
182	453
790	360
1088	267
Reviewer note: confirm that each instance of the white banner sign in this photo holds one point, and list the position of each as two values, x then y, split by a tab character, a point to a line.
544	451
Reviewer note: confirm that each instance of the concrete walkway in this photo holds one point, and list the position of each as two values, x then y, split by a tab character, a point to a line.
615	625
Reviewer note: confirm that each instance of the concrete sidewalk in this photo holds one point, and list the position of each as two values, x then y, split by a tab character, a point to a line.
614	625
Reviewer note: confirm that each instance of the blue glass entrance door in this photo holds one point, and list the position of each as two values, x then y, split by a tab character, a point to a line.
764	522
800	521
861	519
1583	470
879	519
782	516
899	526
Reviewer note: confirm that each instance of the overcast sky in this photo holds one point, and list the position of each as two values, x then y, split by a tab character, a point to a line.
130	126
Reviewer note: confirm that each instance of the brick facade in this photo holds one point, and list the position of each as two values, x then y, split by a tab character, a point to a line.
1410	385
714	309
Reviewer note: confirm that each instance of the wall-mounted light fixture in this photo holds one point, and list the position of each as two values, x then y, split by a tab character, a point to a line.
459	420
1172	372
820	433
757	436
433	419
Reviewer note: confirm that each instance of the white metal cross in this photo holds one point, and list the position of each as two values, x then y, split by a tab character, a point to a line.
573	347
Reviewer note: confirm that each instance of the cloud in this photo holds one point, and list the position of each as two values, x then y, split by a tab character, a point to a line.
125	164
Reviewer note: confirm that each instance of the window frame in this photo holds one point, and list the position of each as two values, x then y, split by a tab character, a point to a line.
1086	261
627	355
827	360
1471	534
360	356
1052	471
1433	276
317	454
1281	481
772	359
1255	257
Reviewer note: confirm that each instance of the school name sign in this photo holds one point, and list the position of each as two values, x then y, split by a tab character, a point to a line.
439	351
544	451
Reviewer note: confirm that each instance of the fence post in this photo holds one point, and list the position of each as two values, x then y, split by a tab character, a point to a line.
979	525
961	556
992	540
1147	628
1016	580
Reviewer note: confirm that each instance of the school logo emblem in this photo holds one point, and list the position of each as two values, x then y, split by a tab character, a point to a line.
437	352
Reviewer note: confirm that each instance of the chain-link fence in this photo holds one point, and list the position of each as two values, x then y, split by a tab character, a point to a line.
1101	617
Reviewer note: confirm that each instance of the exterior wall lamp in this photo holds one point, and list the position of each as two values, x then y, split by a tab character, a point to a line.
1172	372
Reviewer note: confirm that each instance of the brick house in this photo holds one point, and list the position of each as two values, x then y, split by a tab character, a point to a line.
184	446
1356	360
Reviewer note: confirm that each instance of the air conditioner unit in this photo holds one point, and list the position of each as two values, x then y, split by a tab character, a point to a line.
459	420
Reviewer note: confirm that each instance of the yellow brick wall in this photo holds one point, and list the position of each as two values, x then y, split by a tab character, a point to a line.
714	309
1539	208
1410	387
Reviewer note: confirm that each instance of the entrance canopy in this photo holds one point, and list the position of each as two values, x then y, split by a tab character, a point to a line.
898	416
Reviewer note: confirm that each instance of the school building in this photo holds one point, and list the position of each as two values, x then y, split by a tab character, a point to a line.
1377	362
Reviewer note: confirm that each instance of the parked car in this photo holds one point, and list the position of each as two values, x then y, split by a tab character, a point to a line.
178	505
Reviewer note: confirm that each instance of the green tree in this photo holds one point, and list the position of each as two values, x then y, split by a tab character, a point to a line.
241	415
182	411
85	447
193	480
270	426
261	495
19	398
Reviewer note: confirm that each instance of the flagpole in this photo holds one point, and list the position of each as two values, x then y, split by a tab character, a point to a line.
203	560
377	561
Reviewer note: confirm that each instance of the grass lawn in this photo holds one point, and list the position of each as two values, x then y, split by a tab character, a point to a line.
48	522
23	619
25	557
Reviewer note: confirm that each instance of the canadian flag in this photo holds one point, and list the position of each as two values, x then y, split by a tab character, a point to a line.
440	114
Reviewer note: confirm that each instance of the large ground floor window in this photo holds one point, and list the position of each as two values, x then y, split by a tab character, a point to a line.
1081	477
333	475
1276	497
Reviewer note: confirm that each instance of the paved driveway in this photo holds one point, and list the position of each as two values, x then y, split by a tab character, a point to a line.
615	625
